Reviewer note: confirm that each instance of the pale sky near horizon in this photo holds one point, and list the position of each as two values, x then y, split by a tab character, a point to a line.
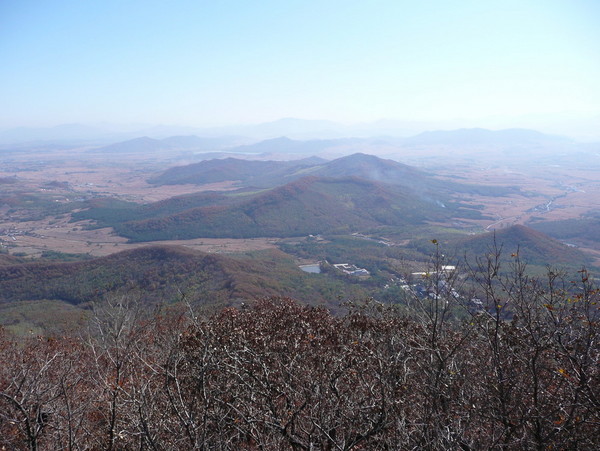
203	63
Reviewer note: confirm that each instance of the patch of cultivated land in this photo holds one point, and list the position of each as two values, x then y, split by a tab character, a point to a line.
34	237
125	179
549	194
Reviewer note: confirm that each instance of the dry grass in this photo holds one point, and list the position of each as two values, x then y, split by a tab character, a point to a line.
125	179
539	186
74	238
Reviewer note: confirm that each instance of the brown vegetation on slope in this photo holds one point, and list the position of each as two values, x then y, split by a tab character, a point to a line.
280	376
159	273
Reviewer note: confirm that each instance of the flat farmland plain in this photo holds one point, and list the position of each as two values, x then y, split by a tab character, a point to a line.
547	193
124	179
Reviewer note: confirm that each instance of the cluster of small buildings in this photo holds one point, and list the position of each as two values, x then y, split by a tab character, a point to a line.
430	283
383	241
12	233
351	270
346	268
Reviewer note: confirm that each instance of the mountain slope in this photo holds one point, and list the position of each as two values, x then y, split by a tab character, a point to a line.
247	172
157	274
310	205
136	145
6	259
272	173
532	246
373	168
267	174
585	229
188	142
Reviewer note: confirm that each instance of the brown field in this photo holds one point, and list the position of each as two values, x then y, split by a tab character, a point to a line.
125	179
575	192
34	237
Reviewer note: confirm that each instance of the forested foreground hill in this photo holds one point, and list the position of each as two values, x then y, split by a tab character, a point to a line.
282	376
291	199
157	270
49	297
165	274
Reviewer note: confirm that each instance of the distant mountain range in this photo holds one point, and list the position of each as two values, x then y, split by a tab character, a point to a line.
285	139
297	129
63	133
483	137
283	145
293	127
86	135
172	143
514	148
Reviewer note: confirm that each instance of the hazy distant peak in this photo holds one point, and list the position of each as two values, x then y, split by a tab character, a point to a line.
301	123
135	145
361	159
145	139
279	140
360	156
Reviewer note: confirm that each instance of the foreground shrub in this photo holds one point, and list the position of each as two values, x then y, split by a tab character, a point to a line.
281	375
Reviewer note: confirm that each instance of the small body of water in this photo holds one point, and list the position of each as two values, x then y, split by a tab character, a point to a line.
315	268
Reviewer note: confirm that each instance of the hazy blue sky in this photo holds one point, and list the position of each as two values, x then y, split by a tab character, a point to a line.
220	62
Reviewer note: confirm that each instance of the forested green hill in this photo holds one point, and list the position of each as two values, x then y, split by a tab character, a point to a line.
310	205
165	274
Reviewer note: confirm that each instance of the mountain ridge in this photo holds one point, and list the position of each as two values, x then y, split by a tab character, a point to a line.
269	173
309	205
